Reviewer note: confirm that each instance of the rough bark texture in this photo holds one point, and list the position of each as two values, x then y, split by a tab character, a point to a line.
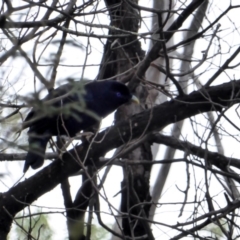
124	54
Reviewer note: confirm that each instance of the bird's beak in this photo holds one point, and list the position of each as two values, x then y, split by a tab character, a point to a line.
135	99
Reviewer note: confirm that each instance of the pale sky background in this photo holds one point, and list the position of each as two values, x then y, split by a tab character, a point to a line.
53	200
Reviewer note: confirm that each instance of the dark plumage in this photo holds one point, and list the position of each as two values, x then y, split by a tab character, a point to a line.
69	109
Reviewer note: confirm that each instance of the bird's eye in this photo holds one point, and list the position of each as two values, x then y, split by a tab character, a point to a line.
119	94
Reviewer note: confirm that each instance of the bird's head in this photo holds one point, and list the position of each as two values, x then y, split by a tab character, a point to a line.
110	95
120	93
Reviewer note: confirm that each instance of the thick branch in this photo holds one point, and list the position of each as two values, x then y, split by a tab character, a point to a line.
211	99
214	158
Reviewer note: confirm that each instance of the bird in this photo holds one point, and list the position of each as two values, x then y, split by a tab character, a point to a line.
69	109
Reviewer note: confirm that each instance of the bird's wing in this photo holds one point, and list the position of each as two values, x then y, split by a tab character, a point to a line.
68	93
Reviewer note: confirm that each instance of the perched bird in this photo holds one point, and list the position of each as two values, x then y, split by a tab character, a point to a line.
69	109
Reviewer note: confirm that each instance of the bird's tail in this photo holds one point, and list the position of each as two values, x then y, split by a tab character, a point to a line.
36	153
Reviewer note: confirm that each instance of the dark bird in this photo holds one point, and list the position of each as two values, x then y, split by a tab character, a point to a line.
69	109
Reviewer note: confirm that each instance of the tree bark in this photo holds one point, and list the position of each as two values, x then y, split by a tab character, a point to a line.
211	99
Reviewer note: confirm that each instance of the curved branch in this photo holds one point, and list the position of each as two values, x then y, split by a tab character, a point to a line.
154	52
211	99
